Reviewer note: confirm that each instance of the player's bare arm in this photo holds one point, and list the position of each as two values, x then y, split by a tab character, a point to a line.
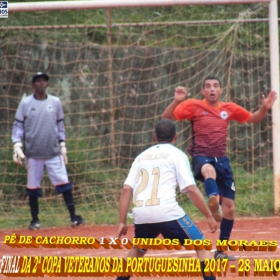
199	202
123	209
180	95
267	103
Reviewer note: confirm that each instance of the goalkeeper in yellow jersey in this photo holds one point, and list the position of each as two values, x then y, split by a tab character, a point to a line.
38	137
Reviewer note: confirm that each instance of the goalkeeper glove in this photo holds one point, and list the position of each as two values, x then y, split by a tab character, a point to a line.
63	151
18	153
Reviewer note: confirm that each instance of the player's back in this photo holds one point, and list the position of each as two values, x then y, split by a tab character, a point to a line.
154	177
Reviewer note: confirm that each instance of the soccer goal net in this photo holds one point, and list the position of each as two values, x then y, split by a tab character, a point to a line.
115	72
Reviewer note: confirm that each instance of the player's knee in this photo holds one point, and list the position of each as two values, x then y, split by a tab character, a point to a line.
228	211
34	192
231	210
208	171
63	188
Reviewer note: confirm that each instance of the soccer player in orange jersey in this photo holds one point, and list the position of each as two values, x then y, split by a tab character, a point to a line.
209	119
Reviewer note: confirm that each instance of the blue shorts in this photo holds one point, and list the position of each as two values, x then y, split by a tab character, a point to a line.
224	178
181	229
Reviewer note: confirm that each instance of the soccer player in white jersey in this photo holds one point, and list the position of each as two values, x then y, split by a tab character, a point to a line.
39	122
152	181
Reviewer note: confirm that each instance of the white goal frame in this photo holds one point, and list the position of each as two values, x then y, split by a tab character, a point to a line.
274	49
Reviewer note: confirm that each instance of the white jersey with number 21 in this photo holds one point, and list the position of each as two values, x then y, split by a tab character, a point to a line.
154	177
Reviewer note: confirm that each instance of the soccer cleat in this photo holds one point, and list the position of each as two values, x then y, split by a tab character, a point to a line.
78	221
221	255
215	209
34	225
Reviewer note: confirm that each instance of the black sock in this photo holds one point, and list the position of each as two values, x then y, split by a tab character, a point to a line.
69	201
34	208
225	229
211	277
123	278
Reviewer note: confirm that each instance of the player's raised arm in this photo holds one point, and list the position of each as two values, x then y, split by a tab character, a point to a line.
198	200
267	103
179	96
123	209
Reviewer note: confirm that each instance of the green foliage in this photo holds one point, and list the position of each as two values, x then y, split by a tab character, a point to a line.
96	189
145	35
253	194
97	181
253	198
13	177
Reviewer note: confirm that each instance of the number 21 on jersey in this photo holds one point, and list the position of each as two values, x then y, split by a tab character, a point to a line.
153	200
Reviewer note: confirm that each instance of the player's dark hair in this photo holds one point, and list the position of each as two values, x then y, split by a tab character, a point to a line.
165	130
212	78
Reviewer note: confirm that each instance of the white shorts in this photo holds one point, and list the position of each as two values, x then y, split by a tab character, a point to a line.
55	167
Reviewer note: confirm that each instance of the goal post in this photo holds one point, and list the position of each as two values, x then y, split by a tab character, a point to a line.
115	73
109	4
275	76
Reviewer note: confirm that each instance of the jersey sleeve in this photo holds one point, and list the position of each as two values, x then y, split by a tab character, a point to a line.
61	131
17	131
239	113
18	125
132	175
60	121
184	174
184	110
60	113
19	116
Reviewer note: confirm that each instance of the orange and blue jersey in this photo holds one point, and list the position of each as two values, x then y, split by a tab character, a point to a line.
209	125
